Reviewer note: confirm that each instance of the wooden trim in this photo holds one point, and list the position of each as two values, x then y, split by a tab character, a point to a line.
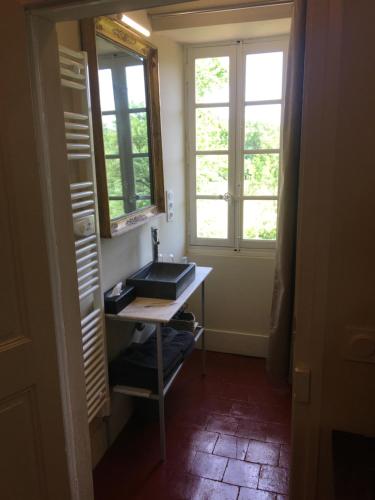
87	28
116	32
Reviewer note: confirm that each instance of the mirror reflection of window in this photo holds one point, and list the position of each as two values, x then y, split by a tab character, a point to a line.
125	121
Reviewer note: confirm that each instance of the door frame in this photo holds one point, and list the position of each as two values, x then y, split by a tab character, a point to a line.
315	220
311	281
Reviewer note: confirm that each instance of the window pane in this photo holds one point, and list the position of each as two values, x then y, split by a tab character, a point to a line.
139	133
261	175
110	135
116	208
212	79
141	167
259	220
135	82
262	126
212	174
264	73
107	102
212	129
212	219
114	179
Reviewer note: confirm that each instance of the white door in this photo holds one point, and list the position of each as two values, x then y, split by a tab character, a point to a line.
33	464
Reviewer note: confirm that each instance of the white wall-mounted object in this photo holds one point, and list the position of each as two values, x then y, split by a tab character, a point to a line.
170	205
79	150
359	345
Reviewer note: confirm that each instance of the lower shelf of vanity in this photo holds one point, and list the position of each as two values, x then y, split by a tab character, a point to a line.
147	393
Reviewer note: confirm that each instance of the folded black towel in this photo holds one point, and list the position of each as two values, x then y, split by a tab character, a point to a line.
137	364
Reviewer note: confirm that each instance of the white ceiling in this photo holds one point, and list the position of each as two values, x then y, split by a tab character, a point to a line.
205	4
228	32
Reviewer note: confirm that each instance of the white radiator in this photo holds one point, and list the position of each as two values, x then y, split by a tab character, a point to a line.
79	147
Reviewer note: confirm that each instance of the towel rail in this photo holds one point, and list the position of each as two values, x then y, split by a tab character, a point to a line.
87	275
83	213
78	139
76	126
90	334
100	363
75	116
95	321
96	349
83	241
94	339
90	316
87	248
89	364
93	367
88	292
93	263
80	185
89	283
81	194
94	407
92	386
82	204
69	62
72	85
71	74
72	146
79	156
71	53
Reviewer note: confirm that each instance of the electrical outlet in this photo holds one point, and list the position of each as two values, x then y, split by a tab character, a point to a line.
85	226
170	205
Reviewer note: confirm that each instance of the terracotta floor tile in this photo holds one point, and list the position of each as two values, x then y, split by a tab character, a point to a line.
213	490
208	466
231	447
198	440
176	487
251	429
251	494
244	410
277	433
187	418
284	460
235	392
222	424
217	405
273	479
263	453
241	473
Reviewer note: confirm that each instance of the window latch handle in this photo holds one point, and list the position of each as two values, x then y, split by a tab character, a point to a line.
227	197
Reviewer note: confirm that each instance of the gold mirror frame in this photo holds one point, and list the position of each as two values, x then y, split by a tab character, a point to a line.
115	32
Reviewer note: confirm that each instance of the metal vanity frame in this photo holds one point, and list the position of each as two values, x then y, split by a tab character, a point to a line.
159	312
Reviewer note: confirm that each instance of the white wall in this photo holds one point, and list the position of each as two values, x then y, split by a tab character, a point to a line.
238	299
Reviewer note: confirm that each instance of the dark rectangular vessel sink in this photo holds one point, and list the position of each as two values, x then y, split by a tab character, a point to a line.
162	280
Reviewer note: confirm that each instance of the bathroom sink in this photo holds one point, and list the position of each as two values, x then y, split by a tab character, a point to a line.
162	280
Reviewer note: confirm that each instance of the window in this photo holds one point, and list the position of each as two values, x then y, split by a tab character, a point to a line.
235	102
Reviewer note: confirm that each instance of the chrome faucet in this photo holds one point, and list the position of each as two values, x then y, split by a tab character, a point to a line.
155	243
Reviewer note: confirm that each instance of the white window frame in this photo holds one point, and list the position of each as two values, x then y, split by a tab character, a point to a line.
237	52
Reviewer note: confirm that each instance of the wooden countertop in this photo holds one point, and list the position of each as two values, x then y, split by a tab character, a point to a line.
160	310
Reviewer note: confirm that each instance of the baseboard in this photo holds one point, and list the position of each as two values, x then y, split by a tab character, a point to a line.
247	344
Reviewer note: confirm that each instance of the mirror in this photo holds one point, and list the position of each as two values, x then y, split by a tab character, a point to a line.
124	87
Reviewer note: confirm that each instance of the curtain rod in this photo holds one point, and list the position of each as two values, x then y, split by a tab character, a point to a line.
268	3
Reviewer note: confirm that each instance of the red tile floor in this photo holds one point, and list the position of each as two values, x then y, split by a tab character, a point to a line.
228	437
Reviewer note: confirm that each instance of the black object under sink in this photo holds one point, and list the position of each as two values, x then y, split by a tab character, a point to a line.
162	280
